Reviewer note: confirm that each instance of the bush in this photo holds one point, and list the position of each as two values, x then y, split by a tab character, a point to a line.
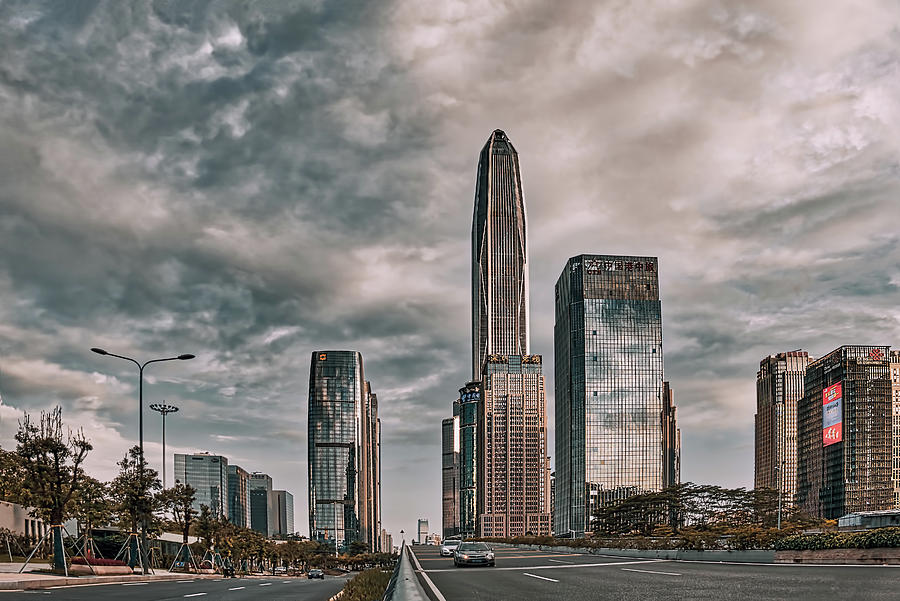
97	561
869	539
366	586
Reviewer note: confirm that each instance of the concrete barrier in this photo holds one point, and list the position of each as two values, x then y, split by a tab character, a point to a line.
877	556
750	556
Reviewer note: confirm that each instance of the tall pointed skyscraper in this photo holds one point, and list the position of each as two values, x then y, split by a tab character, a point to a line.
499	256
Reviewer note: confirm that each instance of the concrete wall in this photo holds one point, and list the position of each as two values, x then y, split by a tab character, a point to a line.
15	518
752	556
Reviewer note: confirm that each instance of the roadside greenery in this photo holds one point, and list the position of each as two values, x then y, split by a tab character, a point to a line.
366	586
869	539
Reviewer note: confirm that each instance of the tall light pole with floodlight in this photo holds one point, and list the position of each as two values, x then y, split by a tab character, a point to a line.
164	410
141	366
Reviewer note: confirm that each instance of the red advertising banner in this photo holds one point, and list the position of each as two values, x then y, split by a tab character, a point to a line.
832	414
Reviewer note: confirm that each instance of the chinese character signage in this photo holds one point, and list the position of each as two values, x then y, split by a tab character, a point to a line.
831	415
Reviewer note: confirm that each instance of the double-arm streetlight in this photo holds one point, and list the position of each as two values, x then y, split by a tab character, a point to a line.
164	410
141	367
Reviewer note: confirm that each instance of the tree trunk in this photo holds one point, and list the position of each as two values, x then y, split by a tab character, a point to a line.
59	556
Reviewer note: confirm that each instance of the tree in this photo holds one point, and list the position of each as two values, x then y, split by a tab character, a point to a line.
135	489
180	501
52	465
93	507
12	476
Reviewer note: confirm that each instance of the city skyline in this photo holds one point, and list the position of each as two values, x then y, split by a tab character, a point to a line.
283	178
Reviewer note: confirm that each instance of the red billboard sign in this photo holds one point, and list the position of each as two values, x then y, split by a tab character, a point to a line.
832	414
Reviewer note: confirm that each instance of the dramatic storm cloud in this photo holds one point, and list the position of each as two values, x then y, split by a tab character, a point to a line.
250	182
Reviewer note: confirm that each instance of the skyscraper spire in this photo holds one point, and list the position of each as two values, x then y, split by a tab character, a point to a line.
499	256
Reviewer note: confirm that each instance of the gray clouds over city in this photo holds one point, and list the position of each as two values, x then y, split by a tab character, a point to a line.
250	182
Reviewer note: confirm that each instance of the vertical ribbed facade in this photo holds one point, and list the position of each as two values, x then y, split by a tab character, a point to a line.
513	468
238	496
671	443
208	474
450	476
851	471
610	416
779	388
895	425
466	409
499	256
344	442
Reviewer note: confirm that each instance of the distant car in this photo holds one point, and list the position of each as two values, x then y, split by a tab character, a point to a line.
473	554
449	546
280	570
315	574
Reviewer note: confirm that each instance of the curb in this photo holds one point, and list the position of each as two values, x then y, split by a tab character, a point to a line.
25	585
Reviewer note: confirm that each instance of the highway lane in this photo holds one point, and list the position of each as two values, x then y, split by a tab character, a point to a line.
225	589
566	576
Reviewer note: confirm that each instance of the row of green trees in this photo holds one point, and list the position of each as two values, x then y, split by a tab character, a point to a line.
697	507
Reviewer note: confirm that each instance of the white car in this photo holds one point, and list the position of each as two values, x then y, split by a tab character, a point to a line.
449	546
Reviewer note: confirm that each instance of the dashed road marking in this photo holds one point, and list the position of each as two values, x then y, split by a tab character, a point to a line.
135	583
195	594
560	561
237	588
541	577
651	572
266	584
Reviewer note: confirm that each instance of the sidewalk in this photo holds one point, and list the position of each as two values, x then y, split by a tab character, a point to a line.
31	580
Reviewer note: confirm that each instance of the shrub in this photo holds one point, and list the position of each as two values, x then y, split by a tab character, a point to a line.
869	539
366	586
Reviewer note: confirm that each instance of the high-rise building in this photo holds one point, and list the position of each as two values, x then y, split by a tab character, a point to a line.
238	496
387	542
422	531
671	439
262	509
499	256
466	409
844	423
450	476
779	388
344	445
284	512
513	469
611	405
208	474
895	421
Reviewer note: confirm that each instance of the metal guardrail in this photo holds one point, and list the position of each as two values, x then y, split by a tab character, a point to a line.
404	585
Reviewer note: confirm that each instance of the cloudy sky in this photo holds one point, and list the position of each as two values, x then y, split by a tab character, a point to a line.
250	182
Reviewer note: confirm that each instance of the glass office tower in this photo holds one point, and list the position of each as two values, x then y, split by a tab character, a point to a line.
238	496
343	451
284	512
844	433
262	510
466	409
499	256
609	386
208	474
450	476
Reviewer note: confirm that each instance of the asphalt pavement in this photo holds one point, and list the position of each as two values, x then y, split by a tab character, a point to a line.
226	589
541	575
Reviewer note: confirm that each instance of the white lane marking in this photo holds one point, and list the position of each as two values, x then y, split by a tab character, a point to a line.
557	567
266	584
541	577
195	594
651	572
135	583
560	561
237	588
183	581
428	581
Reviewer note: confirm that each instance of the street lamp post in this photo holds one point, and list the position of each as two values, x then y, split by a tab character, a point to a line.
141	366
164	410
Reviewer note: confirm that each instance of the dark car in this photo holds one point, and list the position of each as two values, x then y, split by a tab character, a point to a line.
468	554
316	574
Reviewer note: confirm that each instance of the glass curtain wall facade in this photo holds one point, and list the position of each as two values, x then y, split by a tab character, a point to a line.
779	388
466	410
609	385
208	474
671	439
513	467
238	496
262	511
284	512
499	256
450	476
344	436
844	456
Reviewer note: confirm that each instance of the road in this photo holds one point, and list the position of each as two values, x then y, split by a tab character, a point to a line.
228	589
563	576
